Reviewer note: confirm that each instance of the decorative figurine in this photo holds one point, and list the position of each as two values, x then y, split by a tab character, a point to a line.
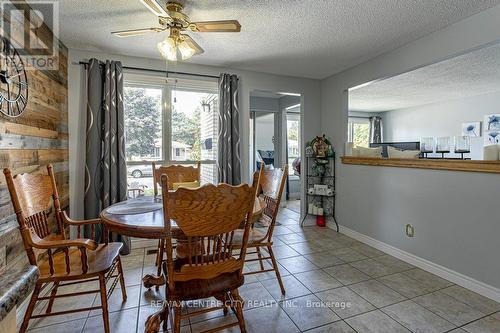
320	146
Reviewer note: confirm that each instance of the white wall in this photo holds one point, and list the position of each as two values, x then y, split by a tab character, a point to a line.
264	132
440	119
454	213
309	89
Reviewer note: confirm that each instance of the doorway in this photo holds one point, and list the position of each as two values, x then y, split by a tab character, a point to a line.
275	127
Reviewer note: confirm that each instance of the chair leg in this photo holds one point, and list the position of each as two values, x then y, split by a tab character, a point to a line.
52	297
164	316
161	249
259	255
31	307
122	280
177	317
157	263
276	269
239	309
104	303
223	298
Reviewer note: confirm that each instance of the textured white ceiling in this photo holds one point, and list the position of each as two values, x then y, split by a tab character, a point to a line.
308	38
471	74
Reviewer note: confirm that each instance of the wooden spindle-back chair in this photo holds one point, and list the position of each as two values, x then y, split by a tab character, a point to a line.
175	174
208	217
60	260
272	183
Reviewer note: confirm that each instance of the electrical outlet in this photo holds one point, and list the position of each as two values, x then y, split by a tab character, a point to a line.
3	256
410	231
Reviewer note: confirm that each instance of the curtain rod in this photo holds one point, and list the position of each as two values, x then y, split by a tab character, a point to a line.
157	71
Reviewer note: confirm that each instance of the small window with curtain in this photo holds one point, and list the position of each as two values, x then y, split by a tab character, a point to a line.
359	131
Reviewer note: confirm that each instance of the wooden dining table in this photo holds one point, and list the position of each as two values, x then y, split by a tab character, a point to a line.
150	224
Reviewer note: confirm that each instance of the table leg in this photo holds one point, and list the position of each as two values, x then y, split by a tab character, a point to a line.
150	280
154	321
105	233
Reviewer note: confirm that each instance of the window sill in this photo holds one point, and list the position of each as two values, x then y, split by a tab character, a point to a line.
437	164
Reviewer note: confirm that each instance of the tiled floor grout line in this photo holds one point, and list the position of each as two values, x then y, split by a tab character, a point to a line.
406	298
376	279
280	301
324	325
286	313
61	322
110	312
468	323
140	292
315	294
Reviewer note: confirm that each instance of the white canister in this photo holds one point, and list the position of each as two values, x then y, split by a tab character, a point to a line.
348	148
320	211
315	210
310	209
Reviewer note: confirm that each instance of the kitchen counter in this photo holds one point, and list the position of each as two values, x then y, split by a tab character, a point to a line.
15	285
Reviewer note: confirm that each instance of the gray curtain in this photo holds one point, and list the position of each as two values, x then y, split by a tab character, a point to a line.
105	168
228	159
376	129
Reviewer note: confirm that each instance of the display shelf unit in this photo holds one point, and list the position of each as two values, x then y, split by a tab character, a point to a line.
313	177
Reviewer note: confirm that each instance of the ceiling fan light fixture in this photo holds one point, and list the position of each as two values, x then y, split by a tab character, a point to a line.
186	50
168	48
178	45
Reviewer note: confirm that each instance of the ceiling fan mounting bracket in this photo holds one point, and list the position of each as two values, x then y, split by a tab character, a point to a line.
173	6
177	19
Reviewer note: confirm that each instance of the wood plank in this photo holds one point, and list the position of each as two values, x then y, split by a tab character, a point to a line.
46	156
38	137
434	164
17	158
14	141
20	129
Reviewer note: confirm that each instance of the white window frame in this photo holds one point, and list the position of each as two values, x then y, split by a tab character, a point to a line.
293	116
350	125
167	85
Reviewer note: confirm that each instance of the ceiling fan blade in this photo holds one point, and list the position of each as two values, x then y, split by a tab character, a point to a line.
216	26
135	32
155	8
193	44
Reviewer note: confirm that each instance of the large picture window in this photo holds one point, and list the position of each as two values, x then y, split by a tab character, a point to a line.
169	123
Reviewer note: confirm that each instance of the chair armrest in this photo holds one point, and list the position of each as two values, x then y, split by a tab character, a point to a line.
44	244
63	244
79	242
68	220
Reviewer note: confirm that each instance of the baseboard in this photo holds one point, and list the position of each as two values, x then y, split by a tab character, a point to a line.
441	271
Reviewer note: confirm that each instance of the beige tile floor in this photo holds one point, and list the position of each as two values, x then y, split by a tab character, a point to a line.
334	284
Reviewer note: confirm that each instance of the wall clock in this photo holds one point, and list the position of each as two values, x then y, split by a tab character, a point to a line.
13	81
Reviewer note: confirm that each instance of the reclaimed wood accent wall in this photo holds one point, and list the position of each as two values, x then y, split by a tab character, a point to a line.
30	142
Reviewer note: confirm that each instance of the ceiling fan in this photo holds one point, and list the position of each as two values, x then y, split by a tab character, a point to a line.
178	46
